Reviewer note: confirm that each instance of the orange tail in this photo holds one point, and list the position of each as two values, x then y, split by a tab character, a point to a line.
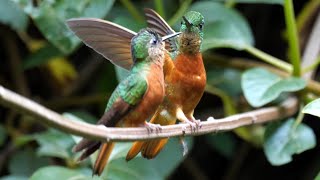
150	149
102	159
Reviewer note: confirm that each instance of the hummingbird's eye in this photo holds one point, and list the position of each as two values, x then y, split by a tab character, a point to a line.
200	26
153	41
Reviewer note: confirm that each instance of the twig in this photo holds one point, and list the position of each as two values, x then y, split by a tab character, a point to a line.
240	63
53	119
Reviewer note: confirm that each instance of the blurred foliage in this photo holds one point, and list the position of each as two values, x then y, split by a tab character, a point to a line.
56	66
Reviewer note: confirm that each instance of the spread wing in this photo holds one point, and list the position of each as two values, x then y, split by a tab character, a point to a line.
110	40
156	22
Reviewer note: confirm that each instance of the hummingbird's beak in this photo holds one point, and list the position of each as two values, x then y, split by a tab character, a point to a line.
170	36
188	24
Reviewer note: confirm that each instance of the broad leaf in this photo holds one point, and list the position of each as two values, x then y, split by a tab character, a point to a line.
56	172
50	17
312	108
25	162
12	15
54	143
282	141
227	80
254	1
224	27
14	177
261	86
140	168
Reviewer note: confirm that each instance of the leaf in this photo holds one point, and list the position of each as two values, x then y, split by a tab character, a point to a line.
3	135
54	143
56	172
11	15
318	176
50	17
312	108
282	141
140	168
224	27
14	177
228	80
224	143
254	1
261	86
19	166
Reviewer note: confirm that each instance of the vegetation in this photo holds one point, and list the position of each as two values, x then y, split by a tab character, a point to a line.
42	60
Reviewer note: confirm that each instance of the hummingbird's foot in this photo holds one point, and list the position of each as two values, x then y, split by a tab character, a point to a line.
191	124
153	127
197	122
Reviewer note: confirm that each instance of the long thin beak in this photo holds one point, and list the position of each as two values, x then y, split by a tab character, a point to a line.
170	36
187	22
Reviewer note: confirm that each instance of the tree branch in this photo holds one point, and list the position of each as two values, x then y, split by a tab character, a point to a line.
53	119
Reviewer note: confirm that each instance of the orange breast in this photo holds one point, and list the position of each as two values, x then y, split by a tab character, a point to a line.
151	100
186	83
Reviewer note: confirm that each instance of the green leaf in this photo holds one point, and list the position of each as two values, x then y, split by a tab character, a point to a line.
14	177
253	1
56	172
224	27
50	17
20	163
282	141
261	86
318	176
140	168
224	143
312	108
228	80
42	56
3	135
54	143
11	15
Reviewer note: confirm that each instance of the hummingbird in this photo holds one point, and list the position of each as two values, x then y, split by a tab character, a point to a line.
138	96
185	78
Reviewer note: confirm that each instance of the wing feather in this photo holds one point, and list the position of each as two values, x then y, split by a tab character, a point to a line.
156	22
110	40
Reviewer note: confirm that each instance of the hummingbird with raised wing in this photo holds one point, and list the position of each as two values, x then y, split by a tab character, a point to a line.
185	78
138	96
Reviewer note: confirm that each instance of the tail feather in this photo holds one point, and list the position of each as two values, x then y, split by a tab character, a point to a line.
135	149
90	149
150	149
83	144
102	158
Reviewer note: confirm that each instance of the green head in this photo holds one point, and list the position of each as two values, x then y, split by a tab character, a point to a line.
142	42
192	32
148	43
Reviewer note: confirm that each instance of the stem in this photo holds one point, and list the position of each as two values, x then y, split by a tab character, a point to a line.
307	11
159	8
183	8
269	59
132	9
294	49
312	66
53	119
243	64
298	119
